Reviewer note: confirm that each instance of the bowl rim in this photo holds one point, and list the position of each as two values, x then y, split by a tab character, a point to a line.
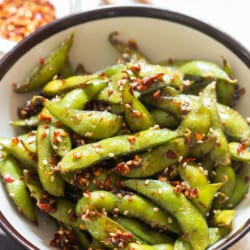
112	12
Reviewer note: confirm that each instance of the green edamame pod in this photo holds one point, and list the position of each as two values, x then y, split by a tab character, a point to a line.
51	181
66	70
239	152
136	115
15	147
91	124
220	154
223	218
59	86
193	174
192	223
158	159
241	187
58	208
164	119
105	230
182	244
129	51
233	124
12	176
226	175
90	154
206	196
130	205
29	141
225	92
28	122
205	69
50	67
143	232
137	246
60	140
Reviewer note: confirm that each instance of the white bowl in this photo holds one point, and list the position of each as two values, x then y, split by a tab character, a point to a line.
160	34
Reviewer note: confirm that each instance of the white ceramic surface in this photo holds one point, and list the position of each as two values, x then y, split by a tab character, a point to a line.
158	39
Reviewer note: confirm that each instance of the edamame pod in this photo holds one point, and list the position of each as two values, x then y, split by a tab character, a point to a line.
205	69
158	159
91	124
136	246
12	176
226	175
241	186
47	69
143	232
58	208
239	152
29	141
130	205
192	223
51	181
220	153
15	147
136	115
90	154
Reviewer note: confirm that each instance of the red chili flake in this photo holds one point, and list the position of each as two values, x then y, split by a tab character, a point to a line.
65	239
198	136
131	139
107	183
122	168
45	117
135	68
42	60
171	154
157	94
47	203
190	159
241	148
8	179
14	140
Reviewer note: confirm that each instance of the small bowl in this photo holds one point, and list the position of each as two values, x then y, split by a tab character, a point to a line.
62	8
160	34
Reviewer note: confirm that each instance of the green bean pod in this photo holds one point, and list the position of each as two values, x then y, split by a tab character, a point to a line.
15	147
156	160
137	116
192	223
130	205
142	231
90	154
51	181
91	124
50	67
12	177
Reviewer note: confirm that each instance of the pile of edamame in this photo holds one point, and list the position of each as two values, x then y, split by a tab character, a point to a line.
135	156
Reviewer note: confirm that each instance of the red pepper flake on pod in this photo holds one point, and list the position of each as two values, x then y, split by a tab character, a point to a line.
19	18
